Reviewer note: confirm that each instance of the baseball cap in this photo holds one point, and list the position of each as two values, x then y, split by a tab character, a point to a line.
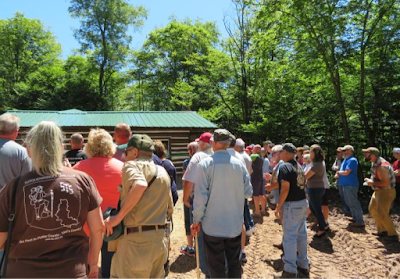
205	137
289	147
249	148
240	142
339	149
347	147
396	150
372	150
222	136
267	142
139	141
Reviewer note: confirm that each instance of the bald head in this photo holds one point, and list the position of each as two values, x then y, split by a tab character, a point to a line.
122	133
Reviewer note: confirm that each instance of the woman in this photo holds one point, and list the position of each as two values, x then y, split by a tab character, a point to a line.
189	249
53	202
315	186
106	172
168	166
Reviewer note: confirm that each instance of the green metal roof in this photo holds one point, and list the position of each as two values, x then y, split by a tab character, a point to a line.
140	119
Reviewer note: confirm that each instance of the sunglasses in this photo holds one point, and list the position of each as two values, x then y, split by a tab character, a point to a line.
126	151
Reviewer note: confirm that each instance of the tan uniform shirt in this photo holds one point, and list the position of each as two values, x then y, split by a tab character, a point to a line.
156	203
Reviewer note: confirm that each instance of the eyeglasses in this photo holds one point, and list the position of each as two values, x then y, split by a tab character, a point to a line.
126	151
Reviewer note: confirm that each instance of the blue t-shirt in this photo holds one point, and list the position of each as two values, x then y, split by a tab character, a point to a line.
351	179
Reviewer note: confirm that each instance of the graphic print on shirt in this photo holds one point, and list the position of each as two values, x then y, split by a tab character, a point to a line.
52	208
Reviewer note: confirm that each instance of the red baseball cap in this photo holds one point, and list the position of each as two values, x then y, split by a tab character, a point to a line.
249	148
205	137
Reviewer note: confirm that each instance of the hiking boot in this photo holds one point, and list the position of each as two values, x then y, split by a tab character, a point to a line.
380	234
303	273
285	274
357	225
279	246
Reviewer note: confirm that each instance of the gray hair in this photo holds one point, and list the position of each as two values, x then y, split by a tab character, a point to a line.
44	142
9	123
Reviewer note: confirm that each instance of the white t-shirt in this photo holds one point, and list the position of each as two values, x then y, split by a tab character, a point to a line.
190	174
247	160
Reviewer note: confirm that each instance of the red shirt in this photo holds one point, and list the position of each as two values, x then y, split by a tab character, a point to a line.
396	166
107	174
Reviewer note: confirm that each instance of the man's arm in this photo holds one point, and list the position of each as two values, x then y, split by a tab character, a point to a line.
134	196
384	177
201	194
285	186
96	227
248	188
187	190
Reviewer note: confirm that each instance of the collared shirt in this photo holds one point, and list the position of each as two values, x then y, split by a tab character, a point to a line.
247	160
222	184
351	179
14	161
190	174
156	203
383	164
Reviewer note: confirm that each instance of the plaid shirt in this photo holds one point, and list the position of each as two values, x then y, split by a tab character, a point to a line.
384	164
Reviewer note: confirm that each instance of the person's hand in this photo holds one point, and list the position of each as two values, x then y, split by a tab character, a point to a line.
278	212
110	223
268	187
195	229
94	271
369	181
66	163
267	176
336	175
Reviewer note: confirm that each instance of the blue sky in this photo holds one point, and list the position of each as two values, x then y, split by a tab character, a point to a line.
54	15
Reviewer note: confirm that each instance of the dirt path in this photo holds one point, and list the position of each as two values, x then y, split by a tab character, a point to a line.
344	252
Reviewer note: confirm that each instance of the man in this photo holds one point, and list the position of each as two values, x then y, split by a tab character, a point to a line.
272	185
14	159
222	184
336	167
292	208
348	180
142	250
122	134
76	154
239	147
396	169
189	178
383	183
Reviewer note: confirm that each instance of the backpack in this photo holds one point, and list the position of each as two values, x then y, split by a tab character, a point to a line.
301	177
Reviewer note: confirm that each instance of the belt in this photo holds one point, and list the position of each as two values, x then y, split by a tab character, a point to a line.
144	228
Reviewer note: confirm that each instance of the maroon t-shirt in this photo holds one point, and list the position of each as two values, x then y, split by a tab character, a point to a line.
396	166
48	240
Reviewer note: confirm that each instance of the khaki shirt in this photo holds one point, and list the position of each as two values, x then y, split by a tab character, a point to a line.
156	203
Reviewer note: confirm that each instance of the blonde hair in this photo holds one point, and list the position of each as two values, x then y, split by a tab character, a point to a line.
99	144
45	144
160	149
9	123
307	157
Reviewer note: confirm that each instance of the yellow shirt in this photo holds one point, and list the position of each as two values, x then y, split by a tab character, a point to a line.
156	203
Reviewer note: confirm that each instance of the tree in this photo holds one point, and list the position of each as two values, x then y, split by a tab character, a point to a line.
104	32
27	50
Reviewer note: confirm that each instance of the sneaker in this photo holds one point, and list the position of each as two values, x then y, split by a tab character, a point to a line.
188	251
279	246
380	234
243	258
285	275
272	206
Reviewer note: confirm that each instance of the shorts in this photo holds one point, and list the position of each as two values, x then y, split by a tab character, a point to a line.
326	197
257	187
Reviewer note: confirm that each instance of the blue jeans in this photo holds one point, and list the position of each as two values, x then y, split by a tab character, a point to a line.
341	193
275	192
351	199
106	258
295	236
248	220
315	199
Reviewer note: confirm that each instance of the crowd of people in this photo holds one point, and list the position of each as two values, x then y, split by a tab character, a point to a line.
119	192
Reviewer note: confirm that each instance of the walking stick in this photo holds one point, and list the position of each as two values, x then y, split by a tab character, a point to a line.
197	257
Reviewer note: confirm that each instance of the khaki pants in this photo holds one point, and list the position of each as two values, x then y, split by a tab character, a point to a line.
379	208
140	255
